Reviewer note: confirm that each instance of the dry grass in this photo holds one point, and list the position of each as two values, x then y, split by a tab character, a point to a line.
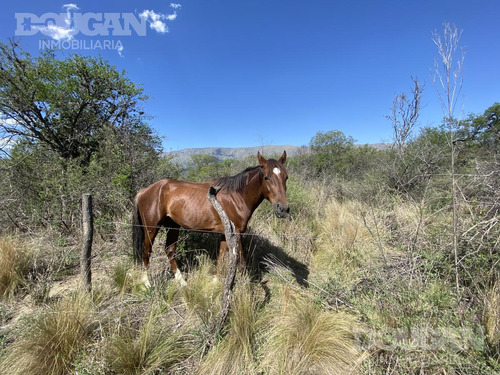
14	265
491	318
234	354
379	260
345	242
202	293
301	338
52	340
147	349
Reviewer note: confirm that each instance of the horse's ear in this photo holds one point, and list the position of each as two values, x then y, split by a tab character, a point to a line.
262	160
283	158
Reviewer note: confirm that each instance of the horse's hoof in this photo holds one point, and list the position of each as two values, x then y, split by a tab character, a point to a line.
180	278
145	280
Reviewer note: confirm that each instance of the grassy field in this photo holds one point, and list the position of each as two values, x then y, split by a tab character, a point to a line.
345	286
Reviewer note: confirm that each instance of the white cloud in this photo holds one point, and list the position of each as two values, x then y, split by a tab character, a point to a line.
175	6
60	32
157	20
171	17
70	7
57	32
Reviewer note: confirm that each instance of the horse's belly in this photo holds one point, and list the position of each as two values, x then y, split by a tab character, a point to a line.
195	216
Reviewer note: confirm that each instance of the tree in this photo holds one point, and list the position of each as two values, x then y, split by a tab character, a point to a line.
482	131
332	142
66	105
404	115
206	167
78	127
330	151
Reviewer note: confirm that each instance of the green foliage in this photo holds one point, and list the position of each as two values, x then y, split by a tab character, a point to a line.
235	353
73	104
482	132
81	131
333	154
207	168
330	152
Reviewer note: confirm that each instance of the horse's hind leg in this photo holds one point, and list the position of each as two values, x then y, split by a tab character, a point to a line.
170	248
150	233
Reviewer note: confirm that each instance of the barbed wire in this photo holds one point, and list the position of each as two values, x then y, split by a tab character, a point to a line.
203	231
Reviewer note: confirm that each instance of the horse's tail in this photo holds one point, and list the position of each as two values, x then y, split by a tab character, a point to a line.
137	234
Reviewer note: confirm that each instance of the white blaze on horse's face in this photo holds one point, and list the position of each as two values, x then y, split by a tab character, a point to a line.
276	171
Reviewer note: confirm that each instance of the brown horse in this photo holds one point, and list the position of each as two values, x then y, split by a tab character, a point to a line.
174	204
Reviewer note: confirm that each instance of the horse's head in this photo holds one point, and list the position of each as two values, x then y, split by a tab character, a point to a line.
274	184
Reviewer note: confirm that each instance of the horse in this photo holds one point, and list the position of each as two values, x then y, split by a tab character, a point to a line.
177	204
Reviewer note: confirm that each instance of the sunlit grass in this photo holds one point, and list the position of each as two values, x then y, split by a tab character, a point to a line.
235	353
301	338
52	339
14	264
152	346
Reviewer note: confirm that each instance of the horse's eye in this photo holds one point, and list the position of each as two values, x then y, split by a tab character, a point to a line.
267	178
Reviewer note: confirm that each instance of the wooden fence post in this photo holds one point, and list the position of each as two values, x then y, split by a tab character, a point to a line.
88	234
233	247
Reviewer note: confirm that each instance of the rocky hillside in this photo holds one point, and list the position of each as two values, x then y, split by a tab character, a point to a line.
183	157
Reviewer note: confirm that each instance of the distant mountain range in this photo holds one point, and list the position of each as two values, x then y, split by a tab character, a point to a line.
183	157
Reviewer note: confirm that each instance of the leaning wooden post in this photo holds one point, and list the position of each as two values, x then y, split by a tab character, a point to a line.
233	247
88	233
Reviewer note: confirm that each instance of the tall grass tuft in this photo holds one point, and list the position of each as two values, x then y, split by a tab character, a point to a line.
52	340
150	348
301	338
202	294
344	241
14	265
235	353
491	319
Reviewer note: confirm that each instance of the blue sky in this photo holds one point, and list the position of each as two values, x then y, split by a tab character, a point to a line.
232	73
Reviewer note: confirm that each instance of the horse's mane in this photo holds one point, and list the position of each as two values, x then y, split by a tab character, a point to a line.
238	182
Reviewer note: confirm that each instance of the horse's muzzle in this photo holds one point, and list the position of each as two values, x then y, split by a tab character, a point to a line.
281	210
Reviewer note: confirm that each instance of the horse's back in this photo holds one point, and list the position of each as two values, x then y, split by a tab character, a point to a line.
187	205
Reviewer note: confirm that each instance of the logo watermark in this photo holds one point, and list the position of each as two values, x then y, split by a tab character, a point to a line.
80	44
59	30
69	24
422	339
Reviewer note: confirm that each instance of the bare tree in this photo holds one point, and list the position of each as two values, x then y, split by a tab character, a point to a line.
404	115
448	78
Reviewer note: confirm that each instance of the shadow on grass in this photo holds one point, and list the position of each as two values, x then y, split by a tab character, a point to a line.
260	255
